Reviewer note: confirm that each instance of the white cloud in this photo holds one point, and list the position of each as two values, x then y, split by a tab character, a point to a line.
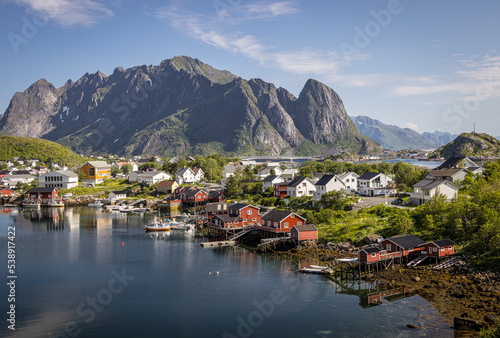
478	78
68	12
300	61
260	10
411	126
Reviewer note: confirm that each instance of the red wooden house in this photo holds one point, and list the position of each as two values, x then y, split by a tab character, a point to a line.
408	245
245	211
194	196
216	196
227	222
279	189
43	193
369	255
216	209
304	232
6	192
439	248
280	221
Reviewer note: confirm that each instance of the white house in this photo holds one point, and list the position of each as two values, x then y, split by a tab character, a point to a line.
198	174
270	180
117	195
11	180
427	188
300	186
185	175
326	184
350	180
152	177
452	175
289	174
374	184
62	179
268	170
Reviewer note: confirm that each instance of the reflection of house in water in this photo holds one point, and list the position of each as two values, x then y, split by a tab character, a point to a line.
389	295
370	293
51	219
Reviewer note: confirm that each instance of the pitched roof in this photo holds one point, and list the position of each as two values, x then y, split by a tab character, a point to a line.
229	218
192	192
290	171
98	164
444	242
212	207
67	173
407	242
430	184
181	171
41	190
372	249
270	178
267	169
444	172
347	173
166	183
239	206
151	173
368	176
213	193
121	192
275	215
296	181
325	179
451	162
306	227
195	170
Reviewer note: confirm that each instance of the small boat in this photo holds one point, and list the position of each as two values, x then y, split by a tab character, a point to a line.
96	204
157	225
32	204
181	226
183	217
55	203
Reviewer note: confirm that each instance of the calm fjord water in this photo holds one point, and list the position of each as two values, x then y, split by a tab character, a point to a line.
86	273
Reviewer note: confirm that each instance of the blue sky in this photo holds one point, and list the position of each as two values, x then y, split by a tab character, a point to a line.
424	64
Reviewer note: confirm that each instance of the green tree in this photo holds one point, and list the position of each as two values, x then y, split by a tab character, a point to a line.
81	176
127	168
335	199
232	187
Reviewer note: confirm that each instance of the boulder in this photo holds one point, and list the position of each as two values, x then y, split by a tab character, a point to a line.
370	239
491	318
466	324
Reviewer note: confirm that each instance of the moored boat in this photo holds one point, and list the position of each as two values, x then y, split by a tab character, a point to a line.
157	225
96	204
55	203
32	204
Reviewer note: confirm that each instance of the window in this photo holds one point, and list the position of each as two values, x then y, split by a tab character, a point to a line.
254	219
388	247
442	249
450	247
299	223
286	224
374	255
249	212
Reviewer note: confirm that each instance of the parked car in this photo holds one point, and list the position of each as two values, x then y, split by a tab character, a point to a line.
68	194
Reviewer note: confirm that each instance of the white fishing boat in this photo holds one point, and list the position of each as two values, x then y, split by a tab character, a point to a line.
55	204
182	226
32	204
96	204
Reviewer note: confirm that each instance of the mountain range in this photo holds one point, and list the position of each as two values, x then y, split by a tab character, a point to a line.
396	138
183	106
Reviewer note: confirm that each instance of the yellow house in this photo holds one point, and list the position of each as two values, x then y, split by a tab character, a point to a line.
96	171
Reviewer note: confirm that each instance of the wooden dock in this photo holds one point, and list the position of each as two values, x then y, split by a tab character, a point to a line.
217	244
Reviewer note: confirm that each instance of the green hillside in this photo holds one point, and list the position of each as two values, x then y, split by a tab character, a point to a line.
470	144
27	148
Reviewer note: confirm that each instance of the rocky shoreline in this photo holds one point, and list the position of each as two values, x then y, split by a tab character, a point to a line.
468	297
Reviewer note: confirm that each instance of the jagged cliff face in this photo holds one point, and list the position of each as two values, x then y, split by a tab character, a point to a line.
181	106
